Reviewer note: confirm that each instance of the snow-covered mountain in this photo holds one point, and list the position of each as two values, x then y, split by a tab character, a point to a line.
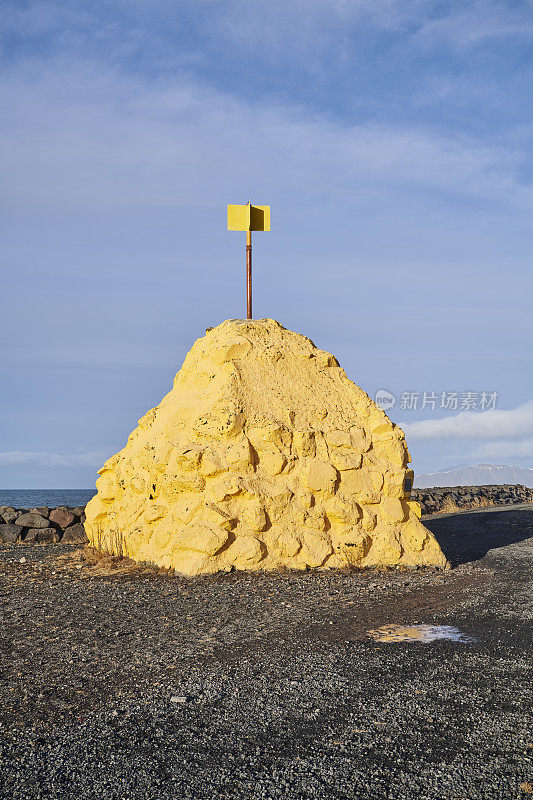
479	475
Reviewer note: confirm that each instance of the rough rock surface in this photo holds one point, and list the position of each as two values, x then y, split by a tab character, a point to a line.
10	532
43	535
33	520
62	516
263	455
9	514
74	533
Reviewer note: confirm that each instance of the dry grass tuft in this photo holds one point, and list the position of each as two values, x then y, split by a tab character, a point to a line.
449	507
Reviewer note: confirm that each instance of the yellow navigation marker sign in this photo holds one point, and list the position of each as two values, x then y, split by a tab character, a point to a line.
248	218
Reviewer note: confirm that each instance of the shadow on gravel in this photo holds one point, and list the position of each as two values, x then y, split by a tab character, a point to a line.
469	536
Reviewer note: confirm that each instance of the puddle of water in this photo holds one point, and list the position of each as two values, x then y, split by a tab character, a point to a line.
418	633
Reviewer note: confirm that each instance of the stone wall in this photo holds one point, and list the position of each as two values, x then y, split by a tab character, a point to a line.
29	525
440	499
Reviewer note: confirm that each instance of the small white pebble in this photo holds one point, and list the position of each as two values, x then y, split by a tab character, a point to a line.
22	560
178	699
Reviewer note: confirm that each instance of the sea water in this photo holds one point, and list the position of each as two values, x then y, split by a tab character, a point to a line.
32	498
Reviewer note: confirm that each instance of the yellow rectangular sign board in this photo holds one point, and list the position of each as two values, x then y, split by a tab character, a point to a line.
248	218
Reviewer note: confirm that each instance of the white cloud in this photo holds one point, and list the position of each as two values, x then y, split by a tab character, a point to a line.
83	136
305	29
493	424
280	30
278	27
505	450
20	458
475	23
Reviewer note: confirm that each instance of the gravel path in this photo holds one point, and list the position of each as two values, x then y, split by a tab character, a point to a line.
131	683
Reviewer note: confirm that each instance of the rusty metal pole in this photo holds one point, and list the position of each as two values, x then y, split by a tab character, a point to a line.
249	274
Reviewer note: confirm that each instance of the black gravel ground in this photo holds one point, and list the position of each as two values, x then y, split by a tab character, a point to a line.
128	683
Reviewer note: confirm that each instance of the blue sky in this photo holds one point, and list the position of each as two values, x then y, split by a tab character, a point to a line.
393	143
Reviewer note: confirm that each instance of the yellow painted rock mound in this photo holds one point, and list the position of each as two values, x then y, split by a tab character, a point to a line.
263	454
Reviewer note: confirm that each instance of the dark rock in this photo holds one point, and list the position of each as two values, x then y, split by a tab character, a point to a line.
9	514
62	517
78	510
30	537
44	511
10	532
32	519
74	534
48	535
